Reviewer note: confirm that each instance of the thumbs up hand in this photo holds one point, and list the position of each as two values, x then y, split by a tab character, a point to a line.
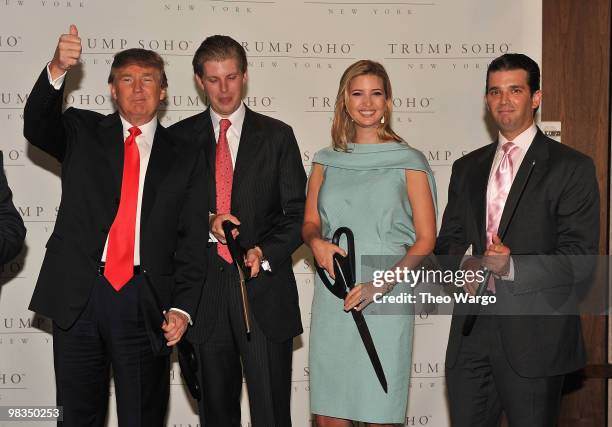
67	53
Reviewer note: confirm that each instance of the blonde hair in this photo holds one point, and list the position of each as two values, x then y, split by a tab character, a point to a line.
343	127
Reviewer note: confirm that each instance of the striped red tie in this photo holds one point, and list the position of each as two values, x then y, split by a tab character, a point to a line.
224	172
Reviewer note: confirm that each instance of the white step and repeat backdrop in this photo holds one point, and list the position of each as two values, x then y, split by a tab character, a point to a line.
436	52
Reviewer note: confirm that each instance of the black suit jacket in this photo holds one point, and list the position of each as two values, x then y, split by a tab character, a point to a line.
174	212
557	215
268	196
12	231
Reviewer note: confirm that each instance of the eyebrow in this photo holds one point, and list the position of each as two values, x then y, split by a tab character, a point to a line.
120	75
222	76
516	86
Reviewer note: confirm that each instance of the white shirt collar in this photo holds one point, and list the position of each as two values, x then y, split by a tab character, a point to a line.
236	118
523	140
147	130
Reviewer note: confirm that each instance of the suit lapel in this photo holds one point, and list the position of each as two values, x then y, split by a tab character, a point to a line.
537	153
162	156
206	137
203	129
111	139
478	183
247	148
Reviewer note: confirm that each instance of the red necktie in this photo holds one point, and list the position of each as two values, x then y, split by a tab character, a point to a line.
119	267
224	172
501	183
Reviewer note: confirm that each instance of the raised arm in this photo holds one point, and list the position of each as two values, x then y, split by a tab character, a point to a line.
43	126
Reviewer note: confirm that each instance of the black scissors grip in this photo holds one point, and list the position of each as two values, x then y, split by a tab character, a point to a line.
234	247
344	267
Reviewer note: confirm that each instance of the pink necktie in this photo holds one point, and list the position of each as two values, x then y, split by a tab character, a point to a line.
501	183
119	267
224	172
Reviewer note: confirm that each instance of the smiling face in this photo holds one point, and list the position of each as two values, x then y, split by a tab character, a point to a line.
510	101
366	102
223	83
137	91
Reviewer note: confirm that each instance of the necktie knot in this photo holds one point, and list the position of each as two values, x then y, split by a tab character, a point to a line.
134	132
509	147
225	124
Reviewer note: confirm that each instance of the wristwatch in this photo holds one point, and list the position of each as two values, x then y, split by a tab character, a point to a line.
265	264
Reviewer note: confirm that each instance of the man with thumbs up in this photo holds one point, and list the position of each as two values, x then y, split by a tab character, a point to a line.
132	218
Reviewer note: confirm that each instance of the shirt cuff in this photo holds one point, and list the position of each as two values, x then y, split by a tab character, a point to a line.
211	237
509	277
57	83
183	312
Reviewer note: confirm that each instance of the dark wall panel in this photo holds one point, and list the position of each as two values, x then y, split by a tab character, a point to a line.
576	87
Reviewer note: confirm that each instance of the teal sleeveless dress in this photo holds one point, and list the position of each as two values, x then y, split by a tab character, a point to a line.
364	189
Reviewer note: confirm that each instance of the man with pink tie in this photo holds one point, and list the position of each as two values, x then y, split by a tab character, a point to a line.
517	363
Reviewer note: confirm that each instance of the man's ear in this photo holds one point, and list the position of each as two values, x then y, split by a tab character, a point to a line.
113	92
199	81
536	99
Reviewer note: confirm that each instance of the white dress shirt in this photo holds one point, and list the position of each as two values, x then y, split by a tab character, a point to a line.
523	142
233	138
233	132
145	143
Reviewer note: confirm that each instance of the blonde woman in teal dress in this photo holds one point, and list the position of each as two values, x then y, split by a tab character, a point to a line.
383	190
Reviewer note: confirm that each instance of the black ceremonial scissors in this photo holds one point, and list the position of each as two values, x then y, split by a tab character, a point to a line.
344	271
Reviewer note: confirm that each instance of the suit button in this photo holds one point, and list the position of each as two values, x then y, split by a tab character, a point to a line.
221	269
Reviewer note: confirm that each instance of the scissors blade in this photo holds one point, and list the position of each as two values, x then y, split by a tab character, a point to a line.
366	338
341	271
244	298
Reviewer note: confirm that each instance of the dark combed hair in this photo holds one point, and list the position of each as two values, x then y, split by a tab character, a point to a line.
219	48
516	61
142	57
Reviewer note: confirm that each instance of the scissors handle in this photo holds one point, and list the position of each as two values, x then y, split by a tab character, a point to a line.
344	267
341	262
234	247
